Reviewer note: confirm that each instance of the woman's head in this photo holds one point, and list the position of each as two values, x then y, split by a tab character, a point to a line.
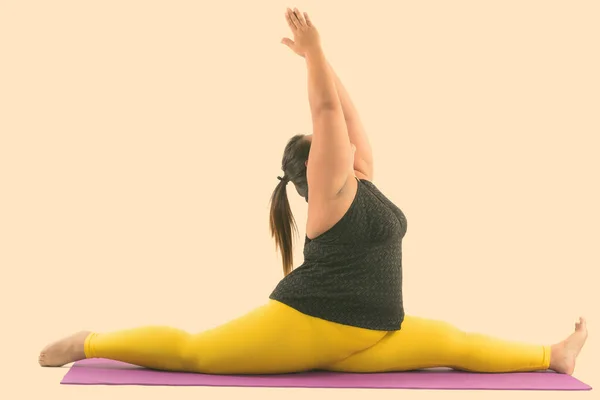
293	164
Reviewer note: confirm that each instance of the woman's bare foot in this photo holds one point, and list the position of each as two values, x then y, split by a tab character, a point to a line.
64	351
565	353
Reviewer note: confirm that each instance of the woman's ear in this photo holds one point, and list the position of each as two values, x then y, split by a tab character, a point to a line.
306	163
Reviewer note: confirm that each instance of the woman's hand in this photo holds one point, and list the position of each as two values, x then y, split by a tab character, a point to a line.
306	37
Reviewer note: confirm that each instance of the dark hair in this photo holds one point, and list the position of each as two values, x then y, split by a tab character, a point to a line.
281	220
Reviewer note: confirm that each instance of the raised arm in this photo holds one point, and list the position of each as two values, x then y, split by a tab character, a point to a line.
363	158
331	153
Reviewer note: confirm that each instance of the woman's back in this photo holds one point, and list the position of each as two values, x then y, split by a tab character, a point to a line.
352	273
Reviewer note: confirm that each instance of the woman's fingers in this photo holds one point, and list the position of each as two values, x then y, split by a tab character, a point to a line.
307	19
288	17
296	19
300	17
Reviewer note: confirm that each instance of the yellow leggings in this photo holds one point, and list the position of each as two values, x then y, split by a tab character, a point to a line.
276	338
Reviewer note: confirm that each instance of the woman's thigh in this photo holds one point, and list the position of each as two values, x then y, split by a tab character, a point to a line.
275	338
421	343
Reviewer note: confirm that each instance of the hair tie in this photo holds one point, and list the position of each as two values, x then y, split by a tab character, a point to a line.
284	179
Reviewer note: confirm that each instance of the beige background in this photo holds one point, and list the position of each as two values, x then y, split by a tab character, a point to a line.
140	142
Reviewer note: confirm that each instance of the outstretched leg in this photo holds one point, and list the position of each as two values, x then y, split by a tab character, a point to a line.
424	343
274	338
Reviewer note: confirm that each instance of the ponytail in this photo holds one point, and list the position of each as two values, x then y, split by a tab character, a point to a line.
281	223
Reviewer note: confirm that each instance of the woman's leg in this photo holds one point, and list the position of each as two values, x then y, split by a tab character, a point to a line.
274	338
424	343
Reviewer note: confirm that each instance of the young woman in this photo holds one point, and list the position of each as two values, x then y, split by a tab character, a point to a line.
341	310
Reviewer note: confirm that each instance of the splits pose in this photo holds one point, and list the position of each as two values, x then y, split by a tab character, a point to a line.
341	310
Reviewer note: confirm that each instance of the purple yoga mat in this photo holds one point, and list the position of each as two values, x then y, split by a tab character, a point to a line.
107	372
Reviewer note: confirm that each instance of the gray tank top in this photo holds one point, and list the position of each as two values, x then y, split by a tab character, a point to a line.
352	273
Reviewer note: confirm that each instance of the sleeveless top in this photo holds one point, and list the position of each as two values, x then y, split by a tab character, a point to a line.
352	273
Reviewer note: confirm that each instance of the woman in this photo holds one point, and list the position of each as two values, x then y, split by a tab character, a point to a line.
341	310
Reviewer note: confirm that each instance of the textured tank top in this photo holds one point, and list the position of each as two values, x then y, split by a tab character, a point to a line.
352	273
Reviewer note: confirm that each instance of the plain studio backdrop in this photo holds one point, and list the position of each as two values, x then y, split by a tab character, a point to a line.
141	142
